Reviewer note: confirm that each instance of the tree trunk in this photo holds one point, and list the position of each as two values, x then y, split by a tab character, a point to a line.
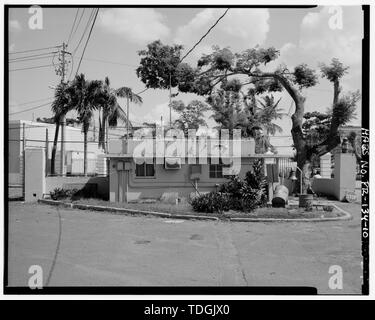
336	92
85	153
127	118
333	138
54	148
100	130
103	131
299	141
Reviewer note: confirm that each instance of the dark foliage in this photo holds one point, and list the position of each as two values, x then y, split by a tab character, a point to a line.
61	193
211	202
236	194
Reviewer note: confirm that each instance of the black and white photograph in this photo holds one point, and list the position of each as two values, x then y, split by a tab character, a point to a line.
186	149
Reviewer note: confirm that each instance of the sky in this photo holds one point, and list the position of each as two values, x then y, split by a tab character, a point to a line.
301	35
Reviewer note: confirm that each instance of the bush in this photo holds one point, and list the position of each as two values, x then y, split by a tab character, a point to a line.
211	202
236	194
234	189
256	180
61	193
251	198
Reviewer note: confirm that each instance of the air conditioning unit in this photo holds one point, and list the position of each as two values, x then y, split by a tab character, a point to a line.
172	163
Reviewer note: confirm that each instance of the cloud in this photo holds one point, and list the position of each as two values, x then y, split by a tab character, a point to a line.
14	26
137	25
239	29
320	43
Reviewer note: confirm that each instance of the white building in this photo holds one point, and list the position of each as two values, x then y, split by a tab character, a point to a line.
29	134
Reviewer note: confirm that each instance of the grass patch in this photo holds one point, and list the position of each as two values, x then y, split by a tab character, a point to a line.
286	213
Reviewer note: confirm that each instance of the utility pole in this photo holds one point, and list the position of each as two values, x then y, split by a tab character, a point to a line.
23	160
127	125
61	70
170	100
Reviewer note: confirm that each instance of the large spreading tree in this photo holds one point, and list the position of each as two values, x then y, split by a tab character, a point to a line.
161	67
191	116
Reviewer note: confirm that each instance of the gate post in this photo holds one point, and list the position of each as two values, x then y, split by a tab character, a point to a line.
35	180
325	166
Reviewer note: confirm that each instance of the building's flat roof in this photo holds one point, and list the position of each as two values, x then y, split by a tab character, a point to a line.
268	156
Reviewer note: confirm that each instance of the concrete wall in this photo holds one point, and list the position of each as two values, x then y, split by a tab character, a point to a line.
78	183
344	177
15	165
37	184
34	174
326	186
35	133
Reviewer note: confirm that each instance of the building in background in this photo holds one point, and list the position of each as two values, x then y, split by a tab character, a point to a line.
29	134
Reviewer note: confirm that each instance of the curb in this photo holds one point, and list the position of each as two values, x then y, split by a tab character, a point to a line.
125	211
346	216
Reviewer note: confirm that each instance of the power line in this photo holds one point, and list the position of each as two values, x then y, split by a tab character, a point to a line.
36	67
84	31
31	59
79	22
110	62
32	50
74	22
88	38
33	108
209	30
29	102
70	127
33	56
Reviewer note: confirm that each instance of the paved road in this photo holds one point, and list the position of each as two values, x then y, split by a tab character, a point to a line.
104	249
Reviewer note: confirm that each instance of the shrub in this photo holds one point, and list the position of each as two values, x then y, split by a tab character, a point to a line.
251	198
61	193
211	202
233	186
257	180
328	208
236	194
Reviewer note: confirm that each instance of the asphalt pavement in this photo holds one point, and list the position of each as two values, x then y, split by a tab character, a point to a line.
87	248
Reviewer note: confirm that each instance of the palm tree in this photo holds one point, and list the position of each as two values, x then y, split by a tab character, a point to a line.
61	105
126	92
86	97
112	111
262	120
269	112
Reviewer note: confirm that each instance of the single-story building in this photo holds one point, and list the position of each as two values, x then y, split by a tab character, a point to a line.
169	176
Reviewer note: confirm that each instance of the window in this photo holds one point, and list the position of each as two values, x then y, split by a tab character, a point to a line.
216	170
145	170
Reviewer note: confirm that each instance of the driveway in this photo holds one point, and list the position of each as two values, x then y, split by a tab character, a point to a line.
100	249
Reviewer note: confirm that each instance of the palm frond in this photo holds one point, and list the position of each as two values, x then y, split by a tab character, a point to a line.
62	102
117	113
126	92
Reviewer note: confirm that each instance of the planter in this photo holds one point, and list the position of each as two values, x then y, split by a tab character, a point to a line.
306	200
